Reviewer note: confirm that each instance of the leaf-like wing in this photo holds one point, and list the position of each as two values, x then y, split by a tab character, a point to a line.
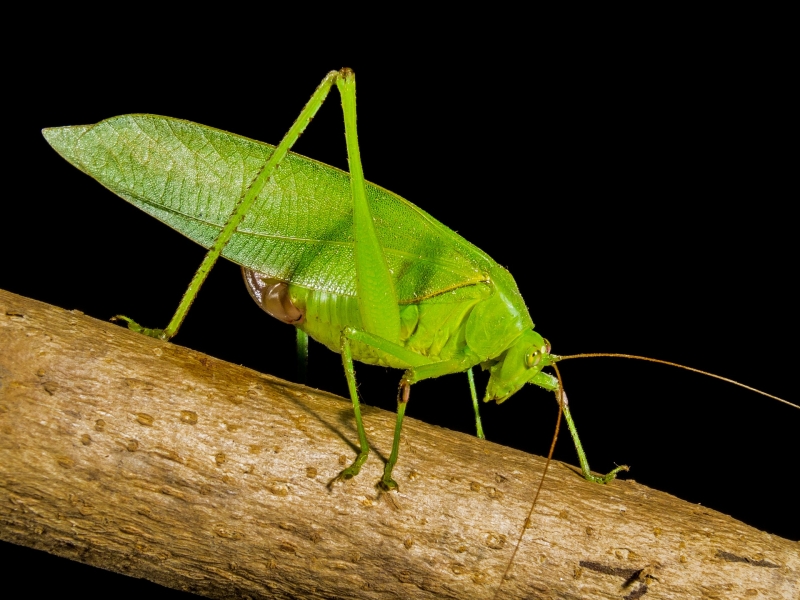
300	227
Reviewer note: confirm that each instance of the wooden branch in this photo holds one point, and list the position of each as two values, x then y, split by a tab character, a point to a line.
156	461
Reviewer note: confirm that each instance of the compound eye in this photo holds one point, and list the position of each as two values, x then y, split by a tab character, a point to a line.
532	359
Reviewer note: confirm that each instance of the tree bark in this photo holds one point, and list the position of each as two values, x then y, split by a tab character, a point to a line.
145	458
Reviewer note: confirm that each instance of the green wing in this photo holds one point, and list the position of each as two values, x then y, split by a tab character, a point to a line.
300	228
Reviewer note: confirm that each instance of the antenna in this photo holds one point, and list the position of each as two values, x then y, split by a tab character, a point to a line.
672	364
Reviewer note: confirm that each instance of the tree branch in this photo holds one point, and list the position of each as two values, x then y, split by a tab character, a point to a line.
149	459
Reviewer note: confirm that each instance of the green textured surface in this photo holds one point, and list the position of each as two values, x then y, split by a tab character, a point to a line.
300	228
431	328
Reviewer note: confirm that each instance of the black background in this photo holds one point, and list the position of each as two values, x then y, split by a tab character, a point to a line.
635	185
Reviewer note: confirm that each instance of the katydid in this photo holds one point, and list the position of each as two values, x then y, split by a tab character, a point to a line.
362	271
359	269
443	286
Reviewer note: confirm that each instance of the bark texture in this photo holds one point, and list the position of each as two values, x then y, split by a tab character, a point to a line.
149	459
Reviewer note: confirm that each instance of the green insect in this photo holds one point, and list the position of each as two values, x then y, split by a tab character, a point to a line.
357	268
363	271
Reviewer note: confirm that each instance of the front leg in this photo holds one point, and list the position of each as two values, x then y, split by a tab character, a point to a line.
550	383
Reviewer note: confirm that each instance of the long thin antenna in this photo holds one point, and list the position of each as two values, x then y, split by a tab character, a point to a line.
672	364
527	523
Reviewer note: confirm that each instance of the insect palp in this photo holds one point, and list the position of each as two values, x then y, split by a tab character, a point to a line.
562	402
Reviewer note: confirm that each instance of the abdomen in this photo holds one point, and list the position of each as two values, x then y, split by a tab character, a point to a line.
432	327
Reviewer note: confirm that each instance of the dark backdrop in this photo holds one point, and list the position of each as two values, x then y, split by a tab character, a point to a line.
636	187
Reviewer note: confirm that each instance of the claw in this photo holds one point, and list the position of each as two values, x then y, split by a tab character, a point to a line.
134	326
352	470
388	485
608	477
348	473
